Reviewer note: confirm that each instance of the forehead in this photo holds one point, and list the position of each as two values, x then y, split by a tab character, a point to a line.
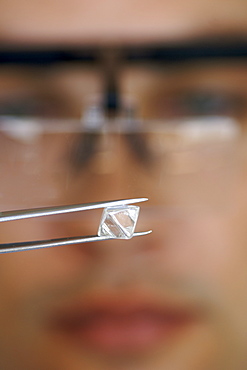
122	21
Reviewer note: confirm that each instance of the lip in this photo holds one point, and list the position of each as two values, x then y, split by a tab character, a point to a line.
118	325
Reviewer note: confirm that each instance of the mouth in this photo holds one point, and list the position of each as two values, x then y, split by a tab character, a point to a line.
122	326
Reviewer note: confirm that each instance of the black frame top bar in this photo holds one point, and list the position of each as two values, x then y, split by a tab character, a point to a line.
45	56
160	54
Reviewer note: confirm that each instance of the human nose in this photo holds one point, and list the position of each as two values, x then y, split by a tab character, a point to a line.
118	264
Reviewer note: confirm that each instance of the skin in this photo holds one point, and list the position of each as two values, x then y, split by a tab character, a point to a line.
192	259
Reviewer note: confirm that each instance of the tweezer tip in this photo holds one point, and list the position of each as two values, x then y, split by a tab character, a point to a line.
142	233
143	199
137	200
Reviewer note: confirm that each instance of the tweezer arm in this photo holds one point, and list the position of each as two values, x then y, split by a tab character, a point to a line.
38	212
25	246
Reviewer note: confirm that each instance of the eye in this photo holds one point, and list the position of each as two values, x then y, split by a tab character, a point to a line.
202	103
34	106
20	107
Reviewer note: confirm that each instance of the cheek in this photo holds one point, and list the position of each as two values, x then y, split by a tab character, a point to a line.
25	273
208	248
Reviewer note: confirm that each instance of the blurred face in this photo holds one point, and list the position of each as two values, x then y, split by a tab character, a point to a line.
175	299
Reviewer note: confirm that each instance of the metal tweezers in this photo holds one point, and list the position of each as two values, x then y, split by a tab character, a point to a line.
38	212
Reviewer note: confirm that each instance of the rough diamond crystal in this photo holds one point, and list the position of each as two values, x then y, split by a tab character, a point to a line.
119	222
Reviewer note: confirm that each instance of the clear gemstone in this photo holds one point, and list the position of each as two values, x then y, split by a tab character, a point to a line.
119	222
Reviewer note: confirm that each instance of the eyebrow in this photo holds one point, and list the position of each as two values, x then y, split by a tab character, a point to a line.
160	54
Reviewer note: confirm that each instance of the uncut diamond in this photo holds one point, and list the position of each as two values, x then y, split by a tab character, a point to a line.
119	222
